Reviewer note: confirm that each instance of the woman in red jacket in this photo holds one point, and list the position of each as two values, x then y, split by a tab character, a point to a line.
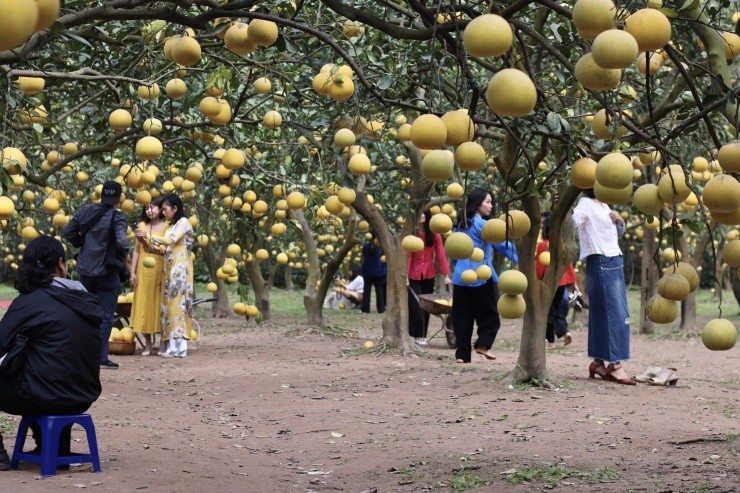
422	272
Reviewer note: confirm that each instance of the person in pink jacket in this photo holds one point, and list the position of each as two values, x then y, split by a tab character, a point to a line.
422	271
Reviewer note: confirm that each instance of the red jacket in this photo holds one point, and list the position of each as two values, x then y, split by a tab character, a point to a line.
569	277
421	265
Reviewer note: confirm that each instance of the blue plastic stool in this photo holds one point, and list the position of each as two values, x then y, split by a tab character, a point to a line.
55	443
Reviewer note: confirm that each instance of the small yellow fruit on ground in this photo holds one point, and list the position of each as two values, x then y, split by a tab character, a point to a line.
368	345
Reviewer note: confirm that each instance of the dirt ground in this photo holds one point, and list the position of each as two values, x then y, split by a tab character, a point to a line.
277	408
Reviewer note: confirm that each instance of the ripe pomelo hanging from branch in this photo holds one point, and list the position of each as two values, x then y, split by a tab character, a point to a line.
511	92
487	35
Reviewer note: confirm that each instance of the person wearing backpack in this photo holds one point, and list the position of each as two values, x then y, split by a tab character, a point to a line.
99	231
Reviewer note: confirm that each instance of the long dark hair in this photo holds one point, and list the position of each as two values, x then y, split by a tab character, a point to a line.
354	271
174	201
546	225
470	206
40	260
157	201
428	235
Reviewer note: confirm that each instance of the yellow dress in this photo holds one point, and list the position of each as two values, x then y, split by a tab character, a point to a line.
146	308
177	288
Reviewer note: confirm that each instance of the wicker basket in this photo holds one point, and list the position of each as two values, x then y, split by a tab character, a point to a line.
121	348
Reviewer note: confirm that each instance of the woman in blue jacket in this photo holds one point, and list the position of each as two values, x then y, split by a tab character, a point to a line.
475	303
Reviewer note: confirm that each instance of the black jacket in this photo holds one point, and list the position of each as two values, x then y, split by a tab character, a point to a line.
63	351
91	260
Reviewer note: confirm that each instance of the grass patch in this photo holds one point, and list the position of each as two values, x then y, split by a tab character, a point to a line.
463	481
7	424
552	475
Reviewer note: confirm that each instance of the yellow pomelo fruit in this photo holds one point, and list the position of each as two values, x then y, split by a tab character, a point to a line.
263	32
359	164
175	88
262	254
512	282
483	272
278	229
459	126
487	35
234	250
148	92
186	51
614	48
233	158
262	85
29	233
281	258
344	137
477	255
296	200
459	246
209	106
602	124
333	205
252	311
650	28
455	191
686	270
239	308
595	78
655	62
511	92
236	39
647	200
224	115
149	262
612	195
470	156
412	244
592	17
511	306
727	218
544	258
729	157
469	276
127	334
211	287
494	231
731	253
346	195
428	132
518	223
719	334
673	287
583	173
440	223
272	119
51	205
58	220
31	85
48	11
260	206
438	165
149	148
18	20
342	87
119	119
614	170
152	126
661	310
721	194
14	161
7	207
673	185
322	83
404	132
115	333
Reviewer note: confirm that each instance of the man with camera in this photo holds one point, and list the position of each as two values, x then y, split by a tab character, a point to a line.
99	231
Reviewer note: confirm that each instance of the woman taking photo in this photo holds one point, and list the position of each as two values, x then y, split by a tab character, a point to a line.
475	303
58	371
177	288
147	275
422	271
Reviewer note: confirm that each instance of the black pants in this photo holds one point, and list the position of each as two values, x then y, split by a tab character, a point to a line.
474	305
418	318
557	318
13	403
379	284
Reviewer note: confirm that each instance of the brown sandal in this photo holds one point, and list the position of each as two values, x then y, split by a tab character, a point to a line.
624	381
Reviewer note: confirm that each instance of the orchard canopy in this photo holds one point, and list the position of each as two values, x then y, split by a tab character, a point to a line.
293	129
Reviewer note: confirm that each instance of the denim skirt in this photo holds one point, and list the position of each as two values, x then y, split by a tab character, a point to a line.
608	314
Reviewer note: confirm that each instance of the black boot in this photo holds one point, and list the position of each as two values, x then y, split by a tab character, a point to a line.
4	459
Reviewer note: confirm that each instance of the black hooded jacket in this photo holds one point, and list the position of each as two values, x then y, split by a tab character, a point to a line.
62	365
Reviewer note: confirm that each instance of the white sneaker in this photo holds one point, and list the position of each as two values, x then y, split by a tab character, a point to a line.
421	341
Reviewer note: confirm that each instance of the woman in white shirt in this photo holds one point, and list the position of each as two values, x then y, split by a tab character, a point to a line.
599	230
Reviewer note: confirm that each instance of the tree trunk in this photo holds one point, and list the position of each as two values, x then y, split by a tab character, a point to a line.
735	277
219	309
688	306
648	278
260	288
288	277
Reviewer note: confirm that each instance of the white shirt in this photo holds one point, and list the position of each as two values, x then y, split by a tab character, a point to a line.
357	284
597	233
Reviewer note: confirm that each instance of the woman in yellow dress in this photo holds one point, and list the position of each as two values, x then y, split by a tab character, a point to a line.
147	279
177	288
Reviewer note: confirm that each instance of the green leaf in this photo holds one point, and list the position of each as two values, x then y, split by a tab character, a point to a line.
78	39
670	13
384	82
688	5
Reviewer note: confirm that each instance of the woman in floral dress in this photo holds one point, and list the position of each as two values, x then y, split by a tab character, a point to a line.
177	289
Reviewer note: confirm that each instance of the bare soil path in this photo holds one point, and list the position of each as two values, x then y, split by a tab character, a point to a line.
277	408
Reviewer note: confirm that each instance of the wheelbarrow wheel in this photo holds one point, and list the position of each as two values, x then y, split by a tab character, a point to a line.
450	334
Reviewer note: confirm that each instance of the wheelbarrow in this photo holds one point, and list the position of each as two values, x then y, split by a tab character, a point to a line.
438	304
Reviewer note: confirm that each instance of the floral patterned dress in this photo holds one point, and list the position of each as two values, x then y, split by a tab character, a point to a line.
177	288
